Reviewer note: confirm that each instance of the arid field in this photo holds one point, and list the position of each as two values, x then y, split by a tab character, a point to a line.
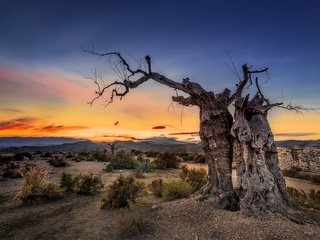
80	216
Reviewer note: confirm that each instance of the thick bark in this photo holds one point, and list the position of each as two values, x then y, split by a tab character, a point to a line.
215	124
262	183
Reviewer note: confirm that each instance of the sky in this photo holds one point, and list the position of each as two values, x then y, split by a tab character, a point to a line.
44	91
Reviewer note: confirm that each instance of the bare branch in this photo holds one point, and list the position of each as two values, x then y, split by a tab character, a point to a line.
298	108
183	100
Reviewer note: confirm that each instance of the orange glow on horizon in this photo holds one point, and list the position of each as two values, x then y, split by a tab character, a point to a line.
51	103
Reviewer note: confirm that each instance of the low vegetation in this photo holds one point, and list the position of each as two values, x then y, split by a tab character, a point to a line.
166	160
156	187
175	190
123	160
133	222
310	200
36	186
88	183
144	165
122	191
195	177
67	182
101	157
192	157
295	172
58	161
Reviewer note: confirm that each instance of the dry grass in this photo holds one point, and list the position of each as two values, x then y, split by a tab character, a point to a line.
37	187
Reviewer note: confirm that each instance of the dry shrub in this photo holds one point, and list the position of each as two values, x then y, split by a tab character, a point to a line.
36	186
175	190
88	183
123	160
133	222
67	182
58	162
165	160
195	177
122	191
156	187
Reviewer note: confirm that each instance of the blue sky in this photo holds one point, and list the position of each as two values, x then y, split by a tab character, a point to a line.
195	39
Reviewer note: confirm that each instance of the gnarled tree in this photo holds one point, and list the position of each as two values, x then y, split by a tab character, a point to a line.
215	122
260	183
246	138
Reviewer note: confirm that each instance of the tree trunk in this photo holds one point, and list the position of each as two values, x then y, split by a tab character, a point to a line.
265	189
216	141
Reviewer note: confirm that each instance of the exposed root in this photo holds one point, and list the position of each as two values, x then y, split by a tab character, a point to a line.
220	199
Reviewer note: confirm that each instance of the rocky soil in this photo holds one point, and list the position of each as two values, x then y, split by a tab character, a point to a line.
80	217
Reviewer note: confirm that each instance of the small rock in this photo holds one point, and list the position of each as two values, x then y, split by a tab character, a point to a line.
154	207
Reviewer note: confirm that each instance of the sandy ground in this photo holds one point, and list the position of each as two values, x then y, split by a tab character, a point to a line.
11	186
80	217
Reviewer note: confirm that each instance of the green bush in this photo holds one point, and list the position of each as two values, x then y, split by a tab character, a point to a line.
291	173
309	200
88	184
37	187
156	187
101	157
195	177
121	192
58	162
315	179
123	160
175	190
144	165
165	160
295	173
67	182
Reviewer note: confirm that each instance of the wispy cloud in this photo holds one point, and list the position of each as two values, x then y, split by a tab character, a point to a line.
159	127
18	123
119	136
59	128
32	124
44	84
299	134
10	110
185	133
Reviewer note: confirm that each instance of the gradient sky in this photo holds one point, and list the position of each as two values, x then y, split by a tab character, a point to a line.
43	92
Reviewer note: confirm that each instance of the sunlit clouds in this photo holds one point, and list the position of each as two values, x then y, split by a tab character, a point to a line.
48	102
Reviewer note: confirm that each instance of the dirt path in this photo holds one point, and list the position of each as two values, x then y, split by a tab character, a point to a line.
80	217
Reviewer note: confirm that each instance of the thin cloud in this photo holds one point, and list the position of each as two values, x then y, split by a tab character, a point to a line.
159	127
185	133
10	110
59	128
18	123
300	134
120	136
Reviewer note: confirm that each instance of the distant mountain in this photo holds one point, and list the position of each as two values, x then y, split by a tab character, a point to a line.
299	143
162	144
6	142
152	144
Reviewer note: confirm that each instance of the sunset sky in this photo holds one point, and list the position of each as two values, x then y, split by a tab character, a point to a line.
43	91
